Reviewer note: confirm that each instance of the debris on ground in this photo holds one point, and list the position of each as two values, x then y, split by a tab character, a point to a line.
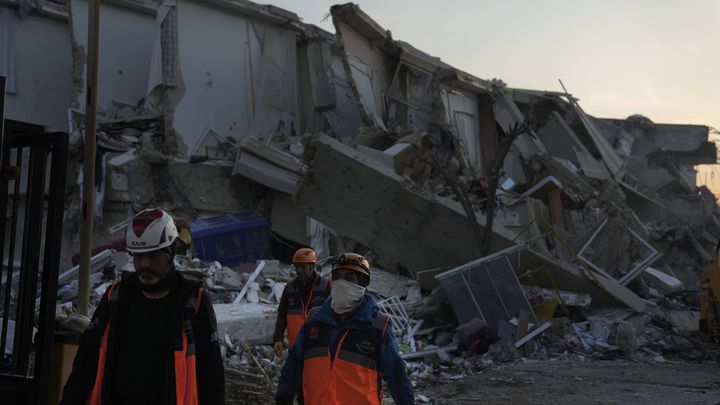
503	225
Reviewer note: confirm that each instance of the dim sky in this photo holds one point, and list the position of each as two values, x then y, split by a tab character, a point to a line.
658	58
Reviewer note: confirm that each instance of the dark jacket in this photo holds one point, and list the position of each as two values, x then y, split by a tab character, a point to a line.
209	364
390	364
281	323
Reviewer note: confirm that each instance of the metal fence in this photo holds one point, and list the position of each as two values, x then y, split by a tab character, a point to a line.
33	167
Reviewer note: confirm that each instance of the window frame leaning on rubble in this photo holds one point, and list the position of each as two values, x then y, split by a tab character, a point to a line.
634	272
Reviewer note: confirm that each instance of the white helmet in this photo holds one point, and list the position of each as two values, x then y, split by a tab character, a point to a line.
149	230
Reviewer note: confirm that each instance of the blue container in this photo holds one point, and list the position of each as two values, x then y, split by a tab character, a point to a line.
231	239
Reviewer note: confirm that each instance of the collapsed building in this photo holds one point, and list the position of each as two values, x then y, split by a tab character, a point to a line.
359	141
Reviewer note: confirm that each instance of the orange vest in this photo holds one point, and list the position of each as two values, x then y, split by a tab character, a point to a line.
184	355
298	307
353	376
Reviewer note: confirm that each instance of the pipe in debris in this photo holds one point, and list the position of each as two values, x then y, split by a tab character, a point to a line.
88	201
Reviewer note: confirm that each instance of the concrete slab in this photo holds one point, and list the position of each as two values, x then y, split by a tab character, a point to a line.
605	292
402	154
405	226
661	281
253	323
265	173
378	155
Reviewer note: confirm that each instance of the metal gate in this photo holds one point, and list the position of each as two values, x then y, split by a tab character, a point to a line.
33	166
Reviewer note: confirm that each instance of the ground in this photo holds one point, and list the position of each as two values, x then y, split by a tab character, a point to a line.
577	381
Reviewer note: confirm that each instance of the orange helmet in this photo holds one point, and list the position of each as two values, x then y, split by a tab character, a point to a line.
304	255
352	261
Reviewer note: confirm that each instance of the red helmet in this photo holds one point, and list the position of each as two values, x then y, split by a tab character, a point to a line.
151	229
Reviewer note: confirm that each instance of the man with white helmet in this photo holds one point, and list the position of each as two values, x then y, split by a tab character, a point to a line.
153	337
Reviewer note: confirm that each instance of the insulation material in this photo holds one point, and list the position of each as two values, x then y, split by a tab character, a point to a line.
273	64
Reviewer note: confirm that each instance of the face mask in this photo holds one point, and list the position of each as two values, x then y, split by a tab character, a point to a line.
346	296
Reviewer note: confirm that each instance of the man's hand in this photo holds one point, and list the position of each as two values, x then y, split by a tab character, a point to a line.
278	346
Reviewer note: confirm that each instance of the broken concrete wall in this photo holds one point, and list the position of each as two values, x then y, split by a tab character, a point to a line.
677	139
37	61
401	89
125	50
245	86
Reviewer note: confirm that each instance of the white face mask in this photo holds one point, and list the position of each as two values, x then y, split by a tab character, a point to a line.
346	296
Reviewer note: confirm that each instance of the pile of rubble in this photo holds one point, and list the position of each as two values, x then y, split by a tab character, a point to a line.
502	223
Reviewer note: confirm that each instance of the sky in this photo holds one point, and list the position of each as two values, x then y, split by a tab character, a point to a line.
658	58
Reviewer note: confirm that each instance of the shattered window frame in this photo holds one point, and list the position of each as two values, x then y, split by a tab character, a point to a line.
507	291
634	272
396	92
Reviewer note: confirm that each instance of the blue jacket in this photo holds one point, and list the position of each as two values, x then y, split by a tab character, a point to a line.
389	361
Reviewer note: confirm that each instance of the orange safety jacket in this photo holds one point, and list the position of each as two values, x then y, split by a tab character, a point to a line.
352	375
184	355
298	307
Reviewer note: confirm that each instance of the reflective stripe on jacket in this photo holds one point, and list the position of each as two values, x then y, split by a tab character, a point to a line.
186	392
351	375
298	307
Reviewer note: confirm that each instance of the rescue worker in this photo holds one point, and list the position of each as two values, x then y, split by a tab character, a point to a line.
153	337
306	291
346	347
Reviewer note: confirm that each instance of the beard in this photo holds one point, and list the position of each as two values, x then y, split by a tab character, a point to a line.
151	282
